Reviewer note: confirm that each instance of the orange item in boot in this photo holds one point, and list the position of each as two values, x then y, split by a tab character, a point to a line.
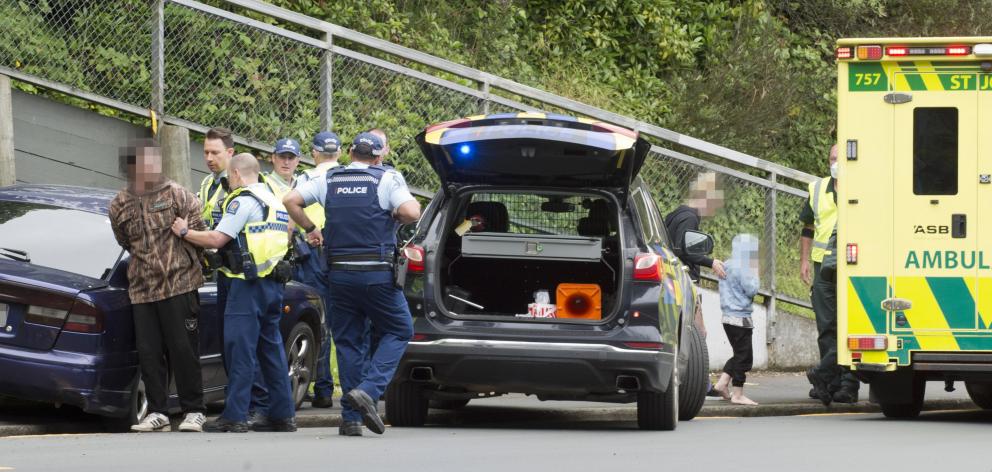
582	301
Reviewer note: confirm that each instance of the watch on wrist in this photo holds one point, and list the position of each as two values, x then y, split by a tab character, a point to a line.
310	229
182	233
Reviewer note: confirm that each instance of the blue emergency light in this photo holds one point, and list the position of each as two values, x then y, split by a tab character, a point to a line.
464	149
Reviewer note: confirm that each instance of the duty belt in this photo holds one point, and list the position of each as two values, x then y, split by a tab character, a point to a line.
362	267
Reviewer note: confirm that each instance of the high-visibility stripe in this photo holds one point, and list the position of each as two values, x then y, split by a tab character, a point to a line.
870	292
858	321
931	81
956	302
926	317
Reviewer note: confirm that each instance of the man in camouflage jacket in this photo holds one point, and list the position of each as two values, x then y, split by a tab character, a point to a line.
164	274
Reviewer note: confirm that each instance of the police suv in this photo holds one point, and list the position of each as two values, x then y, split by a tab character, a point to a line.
542	267
914	281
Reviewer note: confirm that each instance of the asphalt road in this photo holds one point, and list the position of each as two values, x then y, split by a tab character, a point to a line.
952	441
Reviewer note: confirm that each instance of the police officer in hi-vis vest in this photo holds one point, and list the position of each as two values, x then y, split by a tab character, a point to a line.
253	237
819	218
311	267
218	148
364	203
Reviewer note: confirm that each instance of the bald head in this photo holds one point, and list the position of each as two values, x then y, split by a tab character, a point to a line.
243	170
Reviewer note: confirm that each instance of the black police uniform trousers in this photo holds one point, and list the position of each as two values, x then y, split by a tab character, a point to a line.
166	333
824	299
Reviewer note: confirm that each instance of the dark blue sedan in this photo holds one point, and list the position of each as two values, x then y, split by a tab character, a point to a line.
66	334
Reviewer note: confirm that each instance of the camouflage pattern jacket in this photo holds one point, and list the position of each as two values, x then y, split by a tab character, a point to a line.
162	265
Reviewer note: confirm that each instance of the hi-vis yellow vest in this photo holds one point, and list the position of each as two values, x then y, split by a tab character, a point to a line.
824	216
316	210
212	210
267	240
275	185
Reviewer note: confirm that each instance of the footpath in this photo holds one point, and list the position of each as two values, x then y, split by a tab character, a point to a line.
778	394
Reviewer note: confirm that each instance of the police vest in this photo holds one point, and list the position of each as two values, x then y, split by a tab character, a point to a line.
824	216
315	211
261	244
275	185
210	196
356	226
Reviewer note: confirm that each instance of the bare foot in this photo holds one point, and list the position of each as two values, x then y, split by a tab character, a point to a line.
724	392
742	400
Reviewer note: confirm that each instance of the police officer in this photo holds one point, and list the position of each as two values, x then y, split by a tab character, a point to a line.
819	218
362	204
218	148
252	237
285	160
325	149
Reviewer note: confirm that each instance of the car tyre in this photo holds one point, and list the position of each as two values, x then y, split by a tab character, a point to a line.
301	355
980	393
692	390
137	408
406	404
905	410
660	411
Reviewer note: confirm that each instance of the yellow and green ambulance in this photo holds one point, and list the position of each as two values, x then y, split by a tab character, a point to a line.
915	216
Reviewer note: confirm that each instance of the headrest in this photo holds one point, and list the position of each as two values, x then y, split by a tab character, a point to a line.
597	223
493	215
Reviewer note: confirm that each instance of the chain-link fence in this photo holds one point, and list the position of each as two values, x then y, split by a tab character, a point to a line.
274	78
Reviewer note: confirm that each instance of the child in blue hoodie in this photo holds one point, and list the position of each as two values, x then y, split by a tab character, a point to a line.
737	293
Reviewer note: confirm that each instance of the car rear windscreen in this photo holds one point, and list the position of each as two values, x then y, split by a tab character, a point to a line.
71	240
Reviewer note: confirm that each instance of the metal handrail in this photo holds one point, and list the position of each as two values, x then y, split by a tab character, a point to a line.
511	86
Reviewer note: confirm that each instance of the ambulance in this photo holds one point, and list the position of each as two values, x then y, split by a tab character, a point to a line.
914	233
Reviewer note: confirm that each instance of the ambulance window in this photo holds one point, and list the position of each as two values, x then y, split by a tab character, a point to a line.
935	151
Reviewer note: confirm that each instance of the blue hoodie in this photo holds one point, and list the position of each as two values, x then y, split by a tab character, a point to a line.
737	291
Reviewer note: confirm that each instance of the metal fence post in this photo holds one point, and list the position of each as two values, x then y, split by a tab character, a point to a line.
158	57
771	243
327	84
484	85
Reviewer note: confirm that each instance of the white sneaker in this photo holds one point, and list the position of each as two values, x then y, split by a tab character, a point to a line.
193	423
152	422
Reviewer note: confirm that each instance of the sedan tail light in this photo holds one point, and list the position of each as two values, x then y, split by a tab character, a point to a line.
84	318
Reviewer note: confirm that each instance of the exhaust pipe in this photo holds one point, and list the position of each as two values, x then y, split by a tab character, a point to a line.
628	383
422	374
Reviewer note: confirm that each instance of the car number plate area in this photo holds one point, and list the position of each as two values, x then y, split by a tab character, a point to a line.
4	309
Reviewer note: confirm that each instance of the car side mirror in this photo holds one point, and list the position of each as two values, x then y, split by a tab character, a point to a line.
697	243
406	232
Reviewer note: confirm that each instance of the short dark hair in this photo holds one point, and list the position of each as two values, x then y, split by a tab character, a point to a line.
222	134
128	155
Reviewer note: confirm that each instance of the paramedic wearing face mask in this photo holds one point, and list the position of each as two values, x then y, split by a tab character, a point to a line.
819	219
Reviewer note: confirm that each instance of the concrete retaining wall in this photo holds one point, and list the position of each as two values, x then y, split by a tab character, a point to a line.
56	143
793	348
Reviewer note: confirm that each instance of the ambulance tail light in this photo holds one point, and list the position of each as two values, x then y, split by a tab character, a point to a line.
844	53
852	253
958	50
868	343
897	51
415	258
647	266
871	53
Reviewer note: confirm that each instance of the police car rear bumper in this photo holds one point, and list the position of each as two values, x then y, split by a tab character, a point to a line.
540	368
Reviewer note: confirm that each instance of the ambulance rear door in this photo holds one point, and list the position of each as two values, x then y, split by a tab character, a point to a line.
984	223
936	257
